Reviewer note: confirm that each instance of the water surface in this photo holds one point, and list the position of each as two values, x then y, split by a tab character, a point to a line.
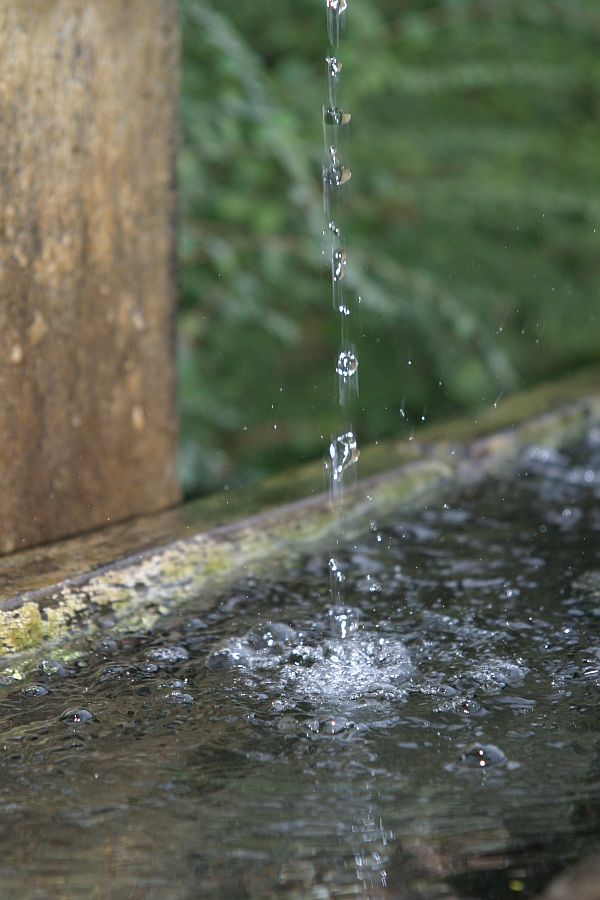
447	747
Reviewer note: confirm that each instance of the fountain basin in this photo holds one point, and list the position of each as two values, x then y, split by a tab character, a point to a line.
181	715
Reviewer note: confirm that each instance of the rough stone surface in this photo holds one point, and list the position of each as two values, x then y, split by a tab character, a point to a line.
88	133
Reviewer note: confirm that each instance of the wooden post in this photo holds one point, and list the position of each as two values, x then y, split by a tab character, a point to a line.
88	135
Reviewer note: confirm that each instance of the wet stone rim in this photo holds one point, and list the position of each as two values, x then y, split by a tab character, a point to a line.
134	591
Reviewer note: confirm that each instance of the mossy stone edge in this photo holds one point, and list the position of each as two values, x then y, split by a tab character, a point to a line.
133	592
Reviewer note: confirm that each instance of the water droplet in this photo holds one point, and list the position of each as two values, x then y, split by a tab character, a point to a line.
336	174
77	717
347	364
343	622
338	264
343	452
335	17
334	66
335	570
333	115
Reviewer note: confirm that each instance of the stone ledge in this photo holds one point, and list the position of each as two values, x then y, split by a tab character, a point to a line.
133	572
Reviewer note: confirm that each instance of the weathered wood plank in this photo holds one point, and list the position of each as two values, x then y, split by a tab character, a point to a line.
88	133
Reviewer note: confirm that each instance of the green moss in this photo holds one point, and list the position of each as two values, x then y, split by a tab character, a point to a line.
21	628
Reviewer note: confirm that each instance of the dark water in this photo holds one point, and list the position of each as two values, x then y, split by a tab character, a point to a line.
448	748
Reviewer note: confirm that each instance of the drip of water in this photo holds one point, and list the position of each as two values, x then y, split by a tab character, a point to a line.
344	453
338	264
335	174
333	115
347	372
335	20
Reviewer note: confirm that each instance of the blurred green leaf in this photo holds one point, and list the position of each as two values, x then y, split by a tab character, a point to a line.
472	217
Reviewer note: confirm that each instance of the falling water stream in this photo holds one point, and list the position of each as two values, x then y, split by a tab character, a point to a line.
343	449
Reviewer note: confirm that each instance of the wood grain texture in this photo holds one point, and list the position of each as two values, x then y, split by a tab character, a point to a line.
88	135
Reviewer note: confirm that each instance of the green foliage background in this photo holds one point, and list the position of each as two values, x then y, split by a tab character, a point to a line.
473	217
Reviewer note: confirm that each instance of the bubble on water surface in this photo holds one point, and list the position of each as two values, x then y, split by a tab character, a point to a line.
483	756
334	725
497	674
77	717
224	659
107	647
113	673
274	637
35	690
148	669
52	668
178	696
169	656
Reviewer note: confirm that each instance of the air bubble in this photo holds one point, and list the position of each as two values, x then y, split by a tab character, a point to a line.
180	697
52	668
226	658
169	656
35	690
483	756
77	717
273	637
